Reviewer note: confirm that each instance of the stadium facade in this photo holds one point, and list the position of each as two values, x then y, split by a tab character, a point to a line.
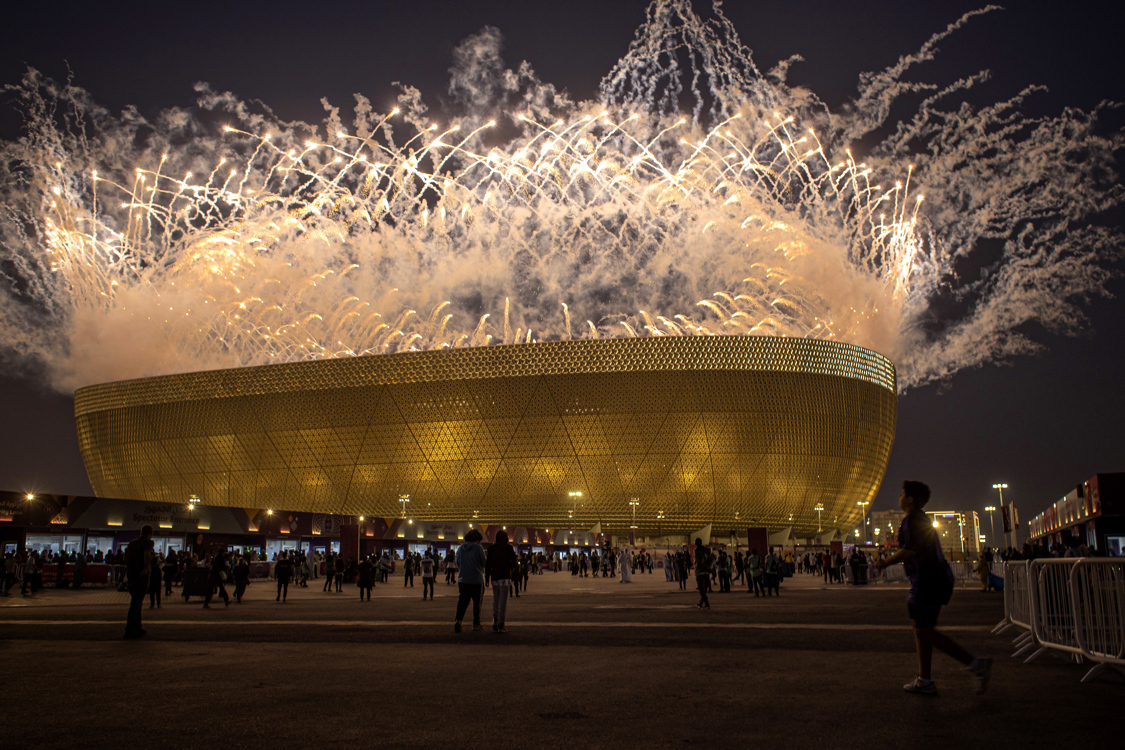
661	436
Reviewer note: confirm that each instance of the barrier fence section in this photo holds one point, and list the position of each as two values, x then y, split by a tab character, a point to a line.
1052	613
1097	591
1074	606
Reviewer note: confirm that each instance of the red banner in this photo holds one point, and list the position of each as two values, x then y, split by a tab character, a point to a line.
1007	519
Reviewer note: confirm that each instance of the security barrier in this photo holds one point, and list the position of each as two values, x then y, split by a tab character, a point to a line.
1097	590
1052	611
894	574
1074	606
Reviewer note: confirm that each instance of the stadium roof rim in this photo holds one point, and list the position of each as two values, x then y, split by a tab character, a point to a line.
575	357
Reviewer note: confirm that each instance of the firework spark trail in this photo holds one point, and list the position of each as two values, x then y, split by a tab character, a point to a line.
129	255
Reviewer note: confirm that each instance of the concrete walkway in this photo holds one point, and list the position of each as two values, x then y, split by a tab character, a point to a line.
587	663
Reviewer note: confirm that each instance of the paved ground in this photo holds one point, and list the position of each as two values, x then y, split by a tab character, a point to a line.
587	663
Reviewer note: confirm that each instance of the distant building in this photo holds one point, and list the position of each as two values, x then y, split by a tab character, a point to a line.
1093	513
884	526
959	533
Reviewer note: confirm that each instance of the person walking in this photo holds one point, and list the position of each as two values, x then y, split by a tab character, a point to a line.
724	572
171	563
502	566
427	566
754	574
931	587
681	570
408	572
79	569
241	578
301	570
138	562
384	566
624	562
773	574
366	580
451	565
215	580
329	571
470	564
154	583
30	570
338	578
702	573
283	572
10	564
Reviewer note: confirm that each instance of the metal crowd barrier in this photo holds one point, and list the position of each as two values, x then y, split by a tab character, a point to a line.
894	574
1017	598
1052	613
1075	606
1097	591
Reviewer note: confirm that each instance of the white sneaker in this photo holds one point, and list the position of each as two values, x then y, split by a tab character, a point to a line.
925	687
981	669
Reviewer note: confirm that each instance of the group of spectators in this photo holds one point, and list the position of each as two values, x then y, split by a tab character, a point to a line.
26	568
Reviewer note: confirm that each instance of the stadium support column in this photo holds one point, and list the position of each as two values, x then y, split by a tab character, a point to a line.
349	541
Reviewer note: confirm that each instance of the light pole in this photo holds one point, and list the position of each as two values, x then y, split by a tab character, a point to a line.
634	502
818	509
991	521
863	506
1001	488
574	499
404	499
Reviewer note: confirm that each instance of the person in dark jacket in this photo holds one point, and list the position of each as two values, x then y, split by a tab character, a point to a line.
339	576
329	571
702	573
501	566
140	562
470	564
241	578
283	572
215	580
170	564
366	578
154	583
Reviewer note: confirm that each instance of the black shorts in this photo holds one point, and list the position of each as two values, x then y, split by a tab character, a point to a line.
923	617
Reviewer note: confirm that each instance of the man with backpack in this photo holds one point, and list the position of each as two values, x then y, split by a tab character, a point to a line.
138	561
931	586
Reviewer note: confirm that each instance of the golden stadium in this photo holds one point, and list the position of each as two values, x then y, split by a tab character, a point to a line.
682	431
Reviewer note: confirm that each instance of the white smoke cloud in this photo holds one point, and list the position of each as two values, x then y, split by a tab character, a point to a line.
379	232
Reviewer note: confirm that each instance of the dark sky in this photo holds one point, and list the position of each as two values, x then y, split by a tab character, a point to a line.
1041	423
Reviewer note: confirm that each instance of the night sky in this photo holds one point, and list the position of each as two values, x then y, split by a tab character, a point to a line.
1041	424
